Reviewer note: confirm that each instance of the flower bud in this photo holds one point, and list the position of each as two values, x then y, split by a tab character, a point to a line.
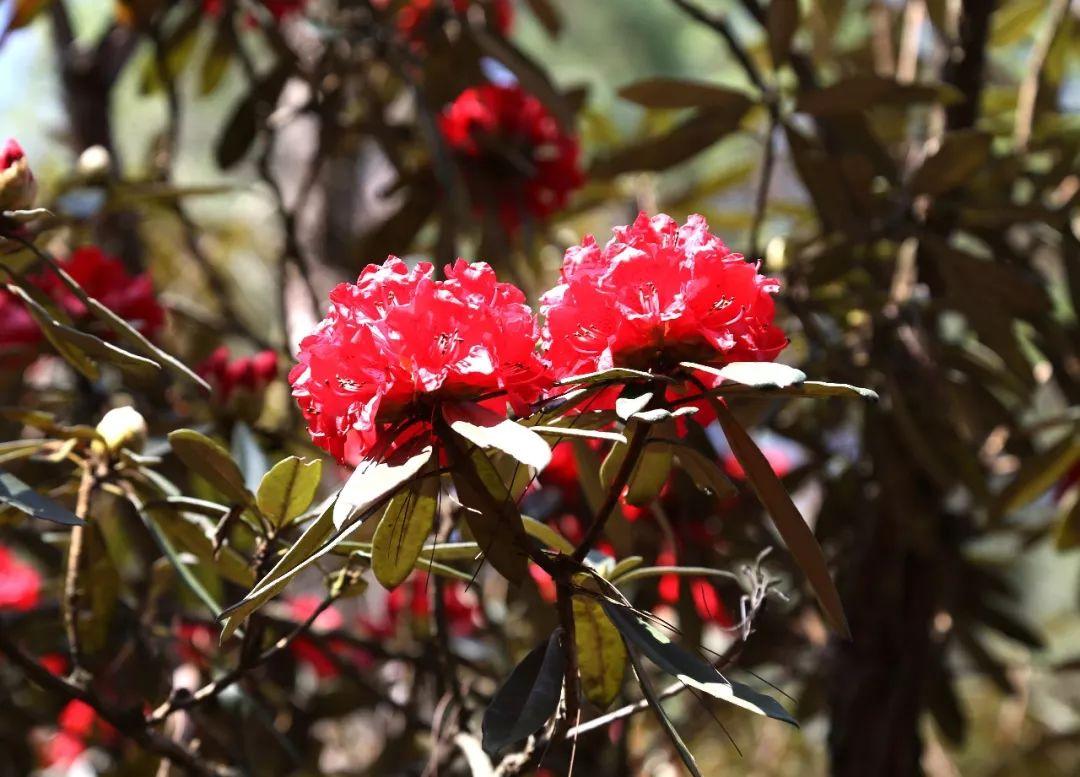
17	185
94	163
123	427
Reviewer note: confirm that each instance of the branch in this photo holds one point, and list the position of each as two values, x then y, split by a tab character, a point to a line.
1029	87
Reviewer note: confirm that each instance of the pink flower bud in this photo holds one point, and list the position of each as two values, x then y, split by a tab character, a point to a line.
17	185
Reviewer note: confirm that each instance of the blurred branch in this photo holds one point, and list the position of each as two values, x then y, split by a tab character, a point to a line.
964	70
127	722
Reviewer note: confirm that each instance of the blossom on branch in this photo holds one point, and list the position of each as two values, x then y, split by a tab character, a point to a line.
398	341
658	293
17	184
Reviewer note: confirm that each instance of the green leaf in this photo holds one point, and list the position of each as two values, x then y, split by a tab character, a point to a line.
1039	473
130	363
493	516
705	472
688	667
861	92
242	127
651	471
684	141
15	493
547	535
402	531
193	532
613	375
624	567
288	489
789	523
374	479
139	341
962	154
72	354
212	462
601	653
488	429
678	93
248	455
218	57
529	696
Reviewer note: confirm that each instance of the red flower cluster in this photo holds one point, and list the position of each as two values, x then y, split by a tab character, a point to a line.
656	294
102	277
418	18
517	160
412	600
17	185
243	376
20	583
397	339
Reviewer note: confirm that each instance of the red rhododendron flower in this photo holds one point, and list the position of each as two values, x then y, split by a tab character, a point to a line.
397	341
517	160
242	375
17	185
657	294
20	583
104	278
307	650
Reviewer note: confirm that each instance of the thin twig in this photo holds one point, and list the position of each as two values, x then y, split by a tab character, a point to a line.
1028	94
72	577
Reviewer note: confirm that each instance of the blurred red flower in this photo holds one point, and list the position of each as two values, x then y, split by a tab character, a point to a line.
20	583
19	335
243	376
657	294
517	160
279	9
396	340
104	278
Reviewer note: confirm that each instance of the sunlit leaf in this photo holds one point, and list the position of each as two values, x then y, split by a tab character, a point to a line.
210	461
374	479
15	493
401	533
288	489
488	429
601	653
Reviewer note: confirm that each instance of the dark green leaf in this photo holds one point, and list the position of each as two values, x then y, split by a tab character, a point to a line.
402	531
17	494
242	128
248	455
677	93
789	523
528	698
961	155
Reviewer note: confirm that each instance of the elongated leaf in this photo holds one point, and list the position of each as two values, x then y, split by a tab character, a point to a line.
789	523
288	489
15	493
684	141
182	569
547	535
961	155
656	706
677	93
202	455
573	431
688	667
860	92
626	406
1039	473
402	531
242	127
139	341
248	455
218	58
624	567
705	472
493	517
613	375
72	354
529	696
651	471
107	352
374	479
755	374
782	23
194	532
488	429
601	653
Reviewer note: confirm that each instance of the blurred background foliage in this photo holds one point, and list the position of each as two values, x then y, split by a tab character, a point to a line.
910	170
